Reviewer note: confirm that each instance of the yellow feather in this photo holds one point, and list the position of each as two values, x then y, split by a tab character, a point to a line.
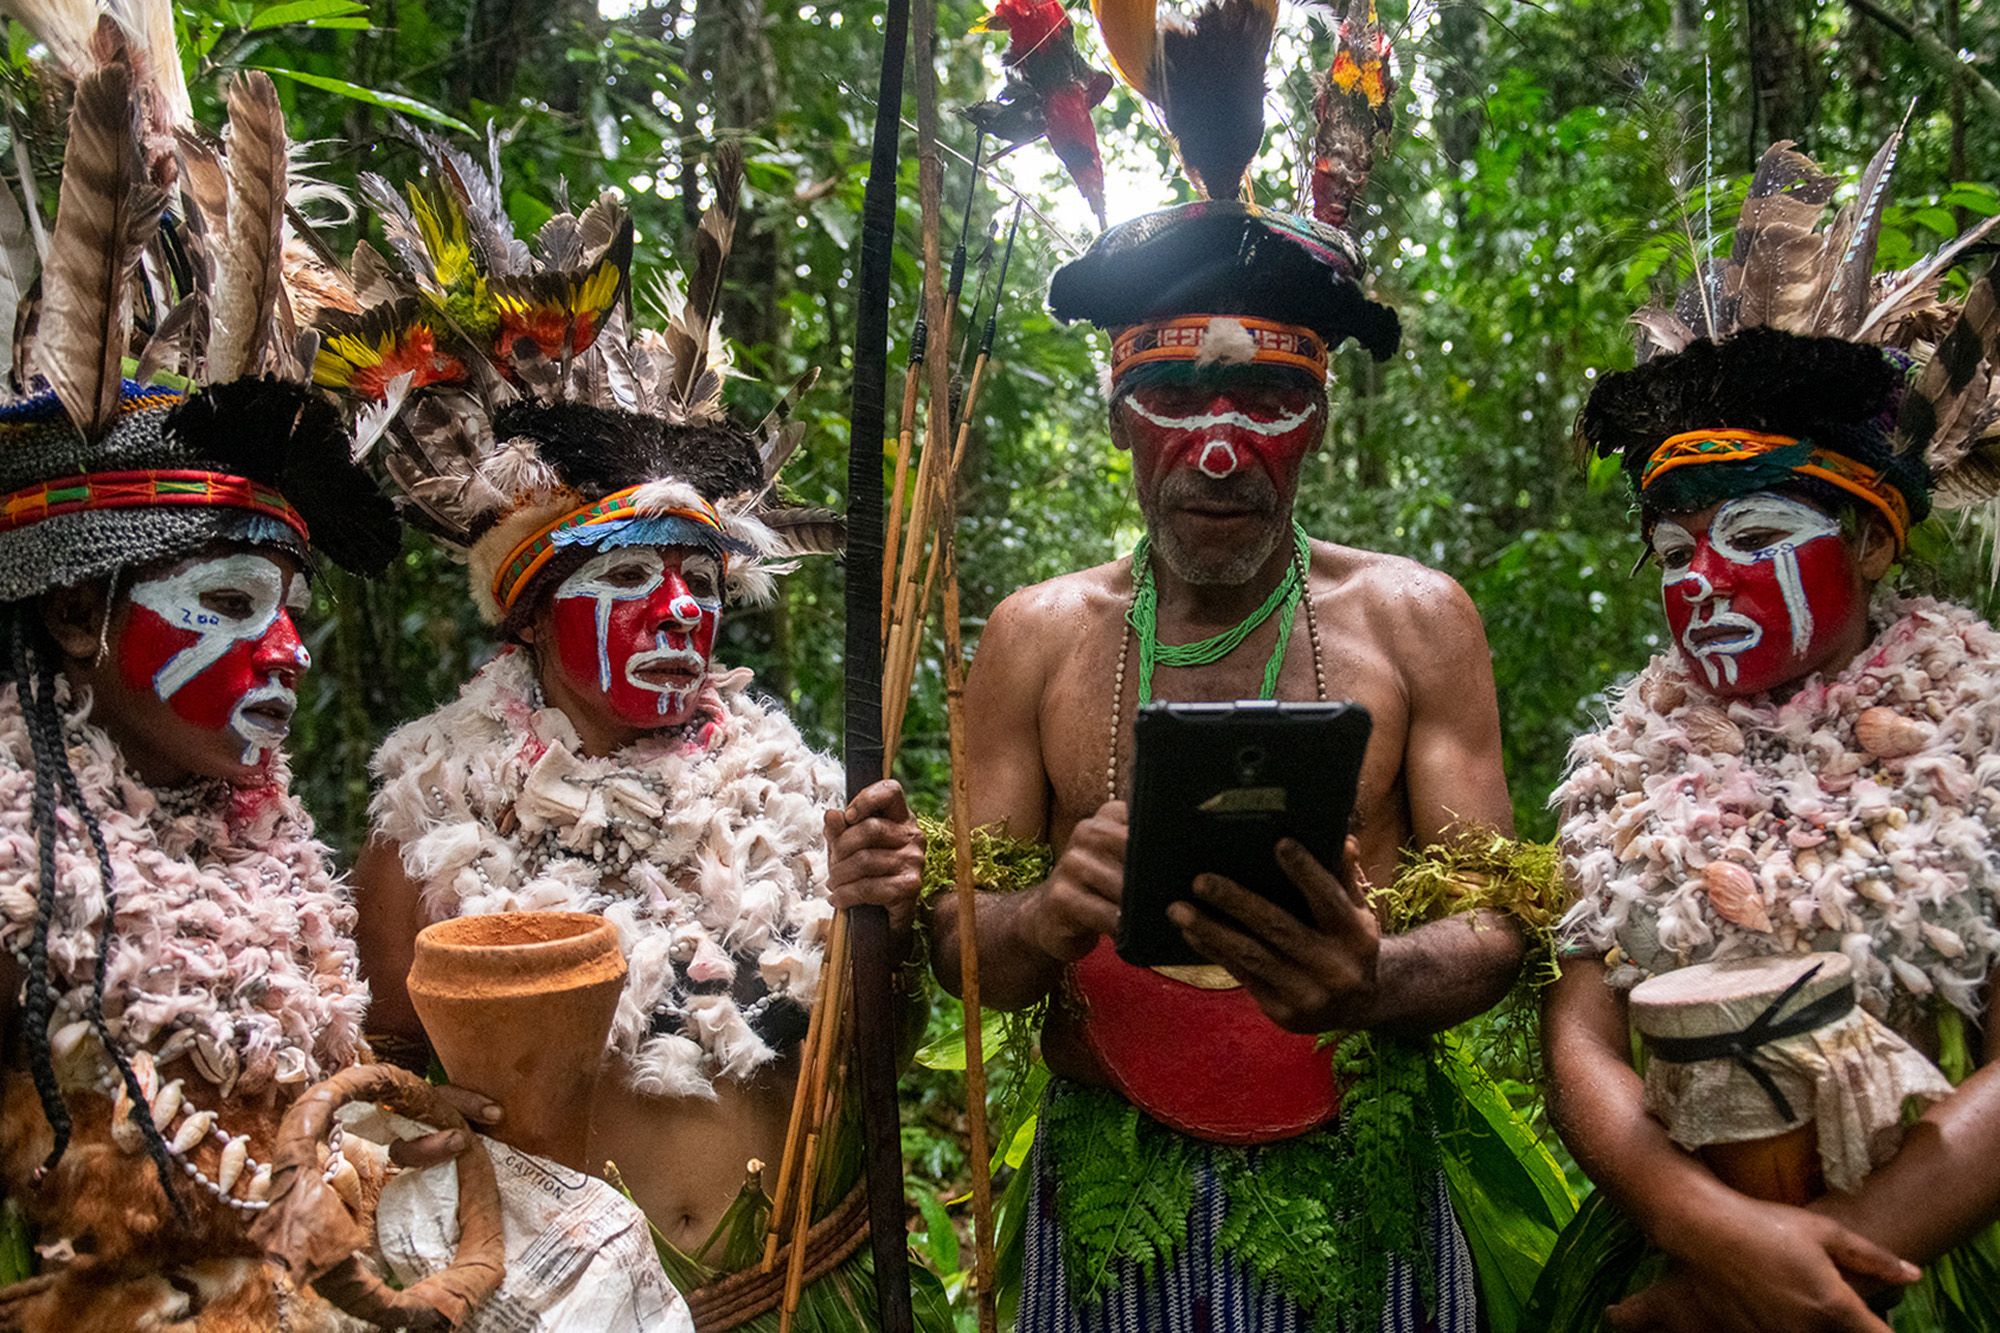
1131	35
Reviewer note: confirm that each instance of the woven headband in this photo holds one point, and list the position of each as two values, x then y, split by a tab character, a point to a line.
150	489
526	559
1736	446
1181	339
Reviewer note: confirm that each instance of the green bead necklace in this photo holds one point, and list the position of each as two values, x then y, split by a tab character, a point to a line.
1142	614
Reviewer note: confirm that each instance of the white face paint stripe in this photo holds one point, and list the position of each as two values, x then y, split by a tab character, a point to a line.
588	581
1209	420
176	599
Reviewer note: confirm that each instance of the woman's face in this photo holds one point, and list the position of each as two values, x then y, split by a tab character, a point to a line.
1761	591
633	630
199	666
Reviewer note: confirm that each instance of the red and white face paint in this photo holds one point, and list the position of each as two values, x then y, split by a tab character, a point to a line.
1223	428
1761	594
635	628
215	642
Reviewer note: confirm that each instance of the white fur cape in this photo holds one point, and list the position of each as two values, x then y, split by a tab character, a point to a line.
709	859
234	941
1890	860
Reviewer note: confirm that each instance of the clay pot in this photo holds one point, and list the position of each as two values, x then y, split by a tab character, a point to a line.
518	1006
1782	1169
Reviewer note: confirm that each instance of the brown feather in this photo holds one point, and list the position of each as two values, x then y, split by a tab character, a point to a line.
807	531
1910	289
1945	409
374	281
17	258
1660	332
249	265
1853	269
688	332
1773	270
106	214
166	349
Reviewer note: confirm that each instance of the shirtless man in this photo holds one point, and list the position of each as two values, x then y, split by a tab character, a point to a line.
1219	397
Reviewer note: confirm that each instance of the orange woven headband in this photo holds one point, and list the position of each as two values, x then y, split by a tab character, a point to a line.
159	488
1734	446
1181	339
526	559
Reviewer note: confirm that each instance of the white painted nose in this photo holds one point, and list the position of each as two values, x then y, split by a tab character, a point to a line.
685	609
1218	459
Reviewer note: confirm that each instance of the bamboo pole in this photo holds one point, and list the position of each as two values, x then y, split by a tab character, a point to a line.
968	946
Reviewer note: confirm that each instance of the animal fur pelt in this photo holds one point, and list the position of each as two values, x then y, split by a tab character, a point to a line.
707	850
1856	804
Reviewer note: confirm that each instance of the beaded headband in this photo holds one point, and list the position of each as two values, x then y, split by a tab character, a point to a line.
149	489
1734	446
529	556
1185	338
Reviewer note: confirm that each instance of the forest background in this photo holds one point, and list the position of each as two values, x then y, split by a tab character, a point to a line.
1553	164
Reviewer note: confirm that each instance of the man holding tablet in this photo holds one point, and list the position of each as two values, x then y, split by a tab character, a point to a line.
1186	1099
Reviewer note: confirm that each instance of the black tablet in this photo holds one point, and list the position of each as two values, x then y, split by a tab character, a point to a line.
1214	788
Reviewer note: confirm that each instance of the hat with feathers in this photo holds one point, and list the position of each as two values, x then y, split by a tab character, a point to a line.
158	398
506	392
1219	256
1793	363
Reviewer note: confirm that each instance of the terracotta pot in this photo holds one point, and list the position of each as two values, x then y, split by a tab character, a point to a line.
518	1006
1782	1169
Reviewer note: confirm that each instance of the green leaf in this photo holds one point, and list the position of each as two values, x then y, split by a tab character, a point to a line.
948	1051
307	11
1973	198
941	1239
408	106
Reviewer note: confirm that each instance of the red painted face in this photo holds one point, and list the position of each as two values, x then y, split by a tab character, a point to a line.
1759	592
635	627
1222	428
1216	465
213	639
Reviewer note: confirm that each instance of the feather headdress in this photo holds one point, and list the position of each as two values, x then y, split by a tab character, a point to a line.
1871	377
504	388
1297	279
157	401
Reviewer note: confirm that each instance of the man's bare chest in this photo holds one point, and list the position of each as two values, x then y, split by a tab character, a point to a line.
1094	694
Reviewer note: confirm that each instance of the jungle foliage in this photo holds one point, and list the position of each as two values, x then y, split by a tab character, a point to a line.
1554	162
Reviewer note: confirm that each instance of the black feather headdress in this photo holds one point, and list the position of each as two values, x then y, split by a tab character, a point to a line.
1795	335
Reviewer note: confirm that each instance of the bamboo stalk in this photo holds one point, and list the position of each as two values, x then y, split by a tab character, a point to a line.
968	945
832	968
905	434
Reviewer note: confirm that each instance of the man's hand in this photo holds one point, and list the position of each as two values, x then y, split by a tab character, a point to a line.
1766	1268
1306	978
1078	903
446	1144
875	854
